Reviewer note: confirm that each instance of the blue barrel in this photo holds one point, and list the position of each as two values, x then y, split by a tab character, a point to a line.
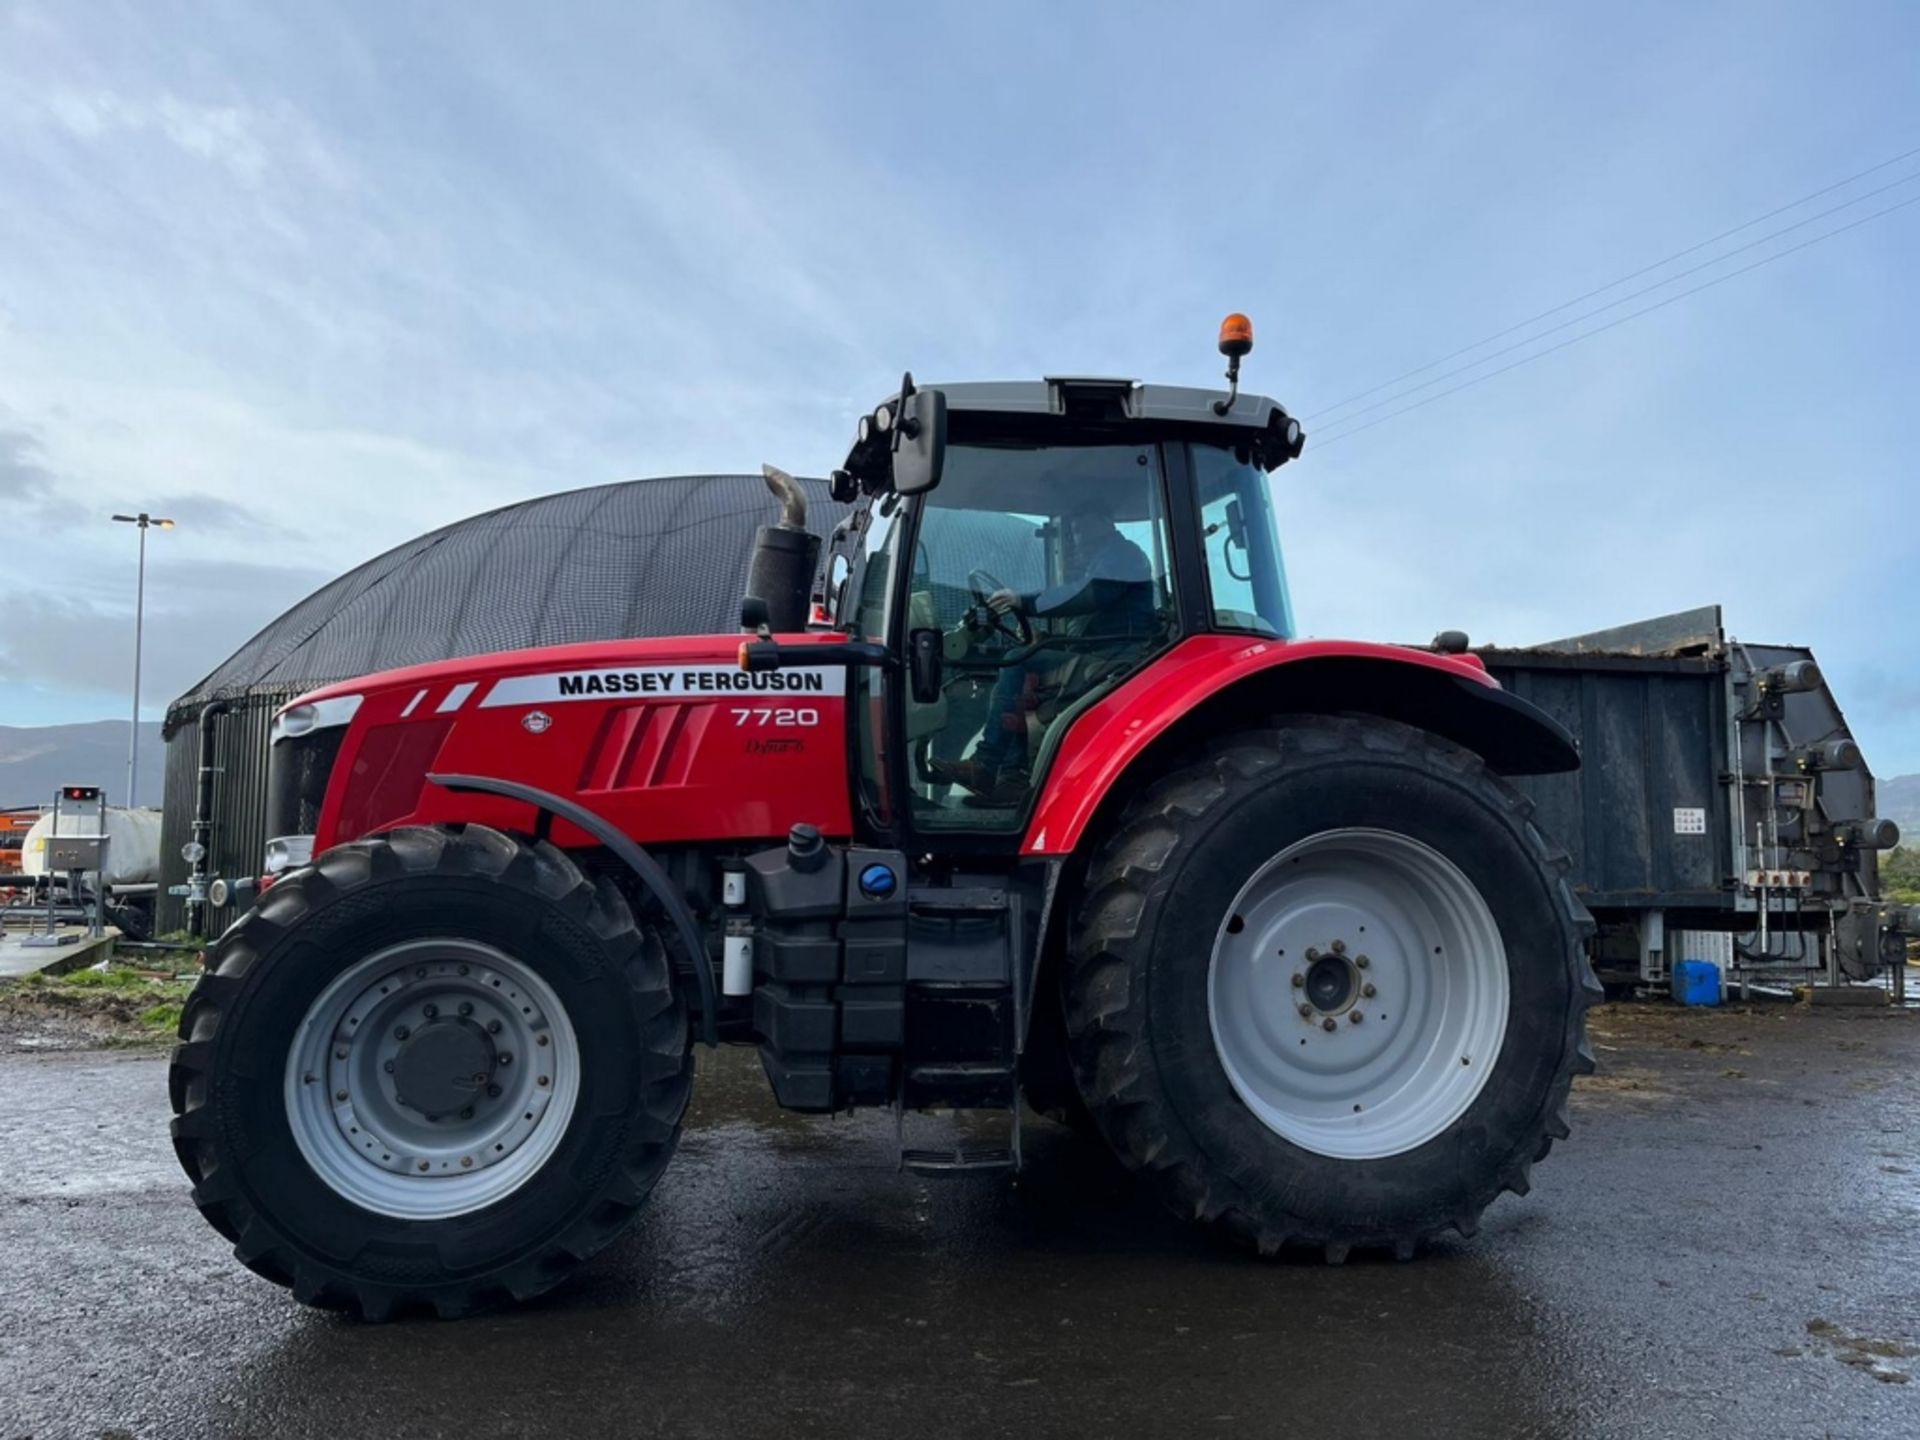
1696	982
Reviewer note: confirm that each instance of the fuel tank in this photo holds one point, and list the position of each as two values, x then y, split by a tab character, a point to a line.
669	739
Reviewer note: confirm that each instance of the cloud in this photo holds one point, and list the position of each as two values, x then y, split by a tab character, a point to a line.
215	514
197	615
225	135
23	479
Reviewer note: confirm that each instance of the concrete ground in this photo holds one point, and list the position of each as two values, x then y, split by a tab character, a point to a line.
1727	1247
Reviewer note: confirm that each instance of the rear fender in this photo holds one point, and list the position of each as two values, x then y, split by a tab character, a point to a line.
1213	683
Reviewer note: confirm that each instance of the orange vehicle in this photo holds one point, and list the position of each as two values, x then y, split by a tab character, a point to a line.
14	825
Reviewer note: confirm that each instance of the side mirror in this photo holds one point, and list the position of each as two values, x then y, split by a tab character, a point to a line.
920	442
924	650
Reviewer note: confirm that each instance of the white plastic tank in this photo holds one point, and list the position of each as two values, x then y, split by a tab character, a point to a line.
133	851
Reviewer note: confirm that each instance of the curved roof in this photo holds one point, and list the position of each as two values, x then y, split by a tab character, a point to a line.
665	556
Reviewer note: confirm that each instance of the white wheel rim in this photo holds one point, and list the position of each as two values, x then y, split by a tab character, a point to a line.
1315	926
488	1048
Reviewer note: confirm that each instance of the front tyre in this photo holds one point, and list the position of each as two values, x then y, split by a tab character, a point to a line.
436	1069
1328	987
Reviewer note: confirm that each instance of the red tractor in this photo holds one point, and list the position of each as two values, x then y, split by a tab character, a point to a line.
1041	801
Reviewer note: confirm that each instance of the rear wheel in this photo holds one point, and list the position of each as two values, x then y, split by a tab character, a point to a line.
438	1068
1327	987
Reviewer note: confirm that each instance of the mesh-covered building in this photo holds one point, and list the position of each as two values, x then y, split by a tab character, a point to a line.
665	556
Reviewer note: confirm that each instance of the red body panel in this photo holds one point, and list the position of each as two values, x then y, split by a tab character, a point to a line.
651	734
1108	737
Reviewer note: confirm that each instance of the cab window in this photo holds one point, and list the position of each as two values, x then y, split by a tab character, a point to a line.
1246	579
1045	571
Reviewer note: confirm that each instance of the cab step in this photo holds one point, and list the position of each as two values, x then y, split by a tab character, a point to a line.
968	1153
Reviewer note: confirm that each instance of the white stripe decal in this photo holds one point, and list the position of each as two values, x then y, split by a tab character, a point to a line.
666	682
457	696
414	703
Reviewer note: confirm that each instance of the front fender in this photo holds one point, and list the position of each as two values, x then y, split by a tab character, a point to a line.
1212	683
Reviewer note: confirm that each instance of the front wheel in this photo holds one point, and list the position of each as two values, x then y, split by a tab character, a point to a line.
1328	987
439	1068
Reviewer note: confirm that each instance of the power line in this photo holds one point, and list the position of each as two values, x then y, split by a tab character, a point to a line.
1617	320
1615	284
1540	335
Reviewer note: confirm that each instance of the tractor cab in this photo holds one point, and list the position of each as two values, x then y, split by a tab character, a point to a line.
1016	552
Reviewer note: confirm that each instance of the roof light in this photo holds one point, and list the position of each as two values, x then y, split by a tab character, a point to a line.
1236	336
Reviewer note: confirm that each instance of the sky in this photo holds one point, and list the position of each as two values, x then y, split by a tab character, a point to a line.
313	279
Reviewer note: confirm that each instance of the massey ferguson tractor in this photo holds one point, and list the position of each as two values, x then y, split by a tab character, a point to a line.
1036	799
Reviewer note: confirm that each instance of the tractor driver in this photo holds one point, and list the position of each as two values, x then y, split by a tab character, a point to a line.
1108	595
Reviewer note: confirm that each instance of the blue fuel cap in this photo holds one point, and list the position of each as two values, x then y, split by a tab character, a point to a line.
877	882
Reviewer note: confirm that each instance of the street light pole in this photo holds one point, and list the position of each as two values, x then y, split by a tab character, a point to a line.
143	520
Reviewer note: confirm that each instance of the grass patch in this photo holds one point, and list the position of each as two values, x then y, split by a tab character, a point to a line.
162	1018
117	978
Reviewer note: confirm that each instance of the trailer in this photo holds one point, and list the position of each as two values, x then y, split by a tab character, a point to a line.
1723	810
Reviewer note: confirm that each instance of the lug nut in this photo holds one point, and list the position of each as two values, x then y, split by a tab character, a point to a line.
339	1094
388	1067
466	1007
506	1057
493	1092
1339	947
543	1080
464	969
1368	990
432	1012
1362	961
423	1164
1306	1009
1298	979
1327	1024
1355	1015
1312	954
340	1052
493	1027
480	1077
466	1162
400	1032
543	1039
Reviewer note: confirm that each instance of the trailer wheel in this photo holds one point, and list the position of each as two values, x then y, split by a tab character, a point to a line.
1327	987
436	1070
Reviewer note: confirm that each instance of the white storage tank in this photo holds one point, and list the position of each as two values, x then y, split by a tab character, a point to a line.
133	849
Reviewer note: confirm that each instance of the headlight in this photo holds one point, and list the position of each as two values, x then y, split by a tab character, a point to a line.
312	715
288	852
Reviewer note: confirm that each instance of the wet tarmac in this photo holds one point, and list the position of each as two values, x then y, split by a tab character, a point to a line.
1726	1248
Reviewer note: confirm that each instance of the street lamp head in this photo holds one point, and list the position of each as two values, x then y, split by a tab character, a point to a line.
143	520
164	524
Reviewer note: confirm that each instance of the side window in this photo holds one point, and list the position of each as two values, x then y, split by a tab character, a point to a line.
866	593
1245	576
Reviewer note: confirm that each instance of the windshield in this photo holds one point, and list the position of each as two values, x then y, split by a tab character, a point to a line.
1246	578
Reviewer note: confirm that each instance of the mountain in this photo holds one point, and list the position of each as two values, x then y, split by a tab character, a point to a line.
1898	799
36	760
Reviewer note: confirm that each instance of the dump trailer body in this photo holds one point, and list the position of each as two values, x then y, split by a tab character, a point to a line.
1720	791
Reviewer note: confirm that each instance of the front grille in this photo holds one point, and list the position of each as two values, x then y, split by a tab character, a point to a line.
297	775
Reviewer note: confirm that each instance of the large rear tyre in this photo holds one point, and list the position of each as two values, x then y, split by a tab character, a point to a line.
437	1070
1327	987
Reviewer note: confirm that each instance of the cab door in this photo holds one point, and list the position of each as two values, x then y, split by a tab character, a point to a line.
1043	573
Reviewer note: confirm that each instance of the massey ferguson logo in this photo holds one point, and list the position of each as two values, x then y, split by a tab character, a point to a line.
661	682
665	682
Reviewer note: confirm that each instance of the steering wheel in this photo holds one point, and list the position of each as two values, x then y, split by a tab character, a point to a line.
983	584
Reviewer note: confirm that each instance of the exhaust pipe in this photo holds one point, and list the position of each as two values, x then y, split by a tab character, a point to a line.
784	557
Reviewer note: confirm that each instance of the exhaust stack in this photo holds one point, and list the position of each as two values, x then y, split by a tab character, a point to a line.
784	557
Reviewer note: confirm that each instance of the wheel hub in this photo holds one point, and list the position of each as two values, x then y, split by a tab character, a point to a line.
1330	983
446	1065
